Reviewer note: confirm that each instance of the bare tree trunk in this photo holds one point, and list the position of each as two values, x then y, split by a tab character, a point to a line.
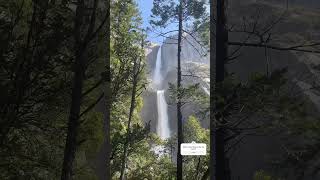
71	142
103	156
218	131
211	168
198	168
179	114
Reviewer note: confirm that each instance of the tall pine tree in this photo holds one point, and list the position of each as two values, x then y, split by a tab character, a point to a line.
166	12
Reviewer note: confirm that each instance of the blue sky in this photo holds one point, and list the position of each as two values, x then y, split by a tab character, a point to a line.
145	7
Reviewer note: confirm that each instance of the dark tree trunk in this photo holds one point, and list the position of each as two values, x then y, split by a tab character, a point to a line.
179	114
103	157
212	92
71	142
217	134
108	98
198	168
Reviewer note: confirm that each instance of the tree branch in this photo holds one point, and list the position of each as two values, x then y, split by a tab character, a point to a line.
92	105
290	48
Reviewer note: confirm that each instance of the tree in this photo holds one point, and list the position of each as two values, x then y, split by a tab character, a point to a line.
33	87
36	69
218	133
81	44
196	166
129	136
169	11
136	73
80	60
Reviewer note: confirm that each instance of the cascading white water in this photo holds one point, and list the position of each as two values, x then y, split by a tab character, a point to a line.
163	129
163	124
157	78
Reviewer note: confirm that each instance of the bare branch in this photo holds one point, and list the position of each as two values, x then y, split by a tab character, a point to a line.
290	48
92	105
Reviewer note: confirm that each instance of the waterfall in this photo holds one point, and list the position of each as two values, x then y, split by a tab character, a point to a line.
163	122
157	77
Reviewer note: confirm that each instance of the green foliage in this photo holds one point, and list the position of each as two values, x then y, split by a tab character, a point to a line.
187	94
194	132
203	26
276	110
36	60
261	175
34	87
91	132
166	12
36	57
195	166
126	39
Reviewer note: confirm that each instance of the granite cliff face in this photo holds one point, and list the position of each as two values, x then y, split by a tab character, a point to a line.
192	61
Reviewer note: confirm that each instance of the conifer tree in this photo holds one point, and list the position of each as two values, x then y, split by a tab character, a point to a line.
166	12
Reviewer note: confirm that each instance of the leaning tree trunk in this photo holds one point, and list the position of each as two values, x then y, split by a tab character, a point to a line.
80	52
132	106
218	160
179	104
